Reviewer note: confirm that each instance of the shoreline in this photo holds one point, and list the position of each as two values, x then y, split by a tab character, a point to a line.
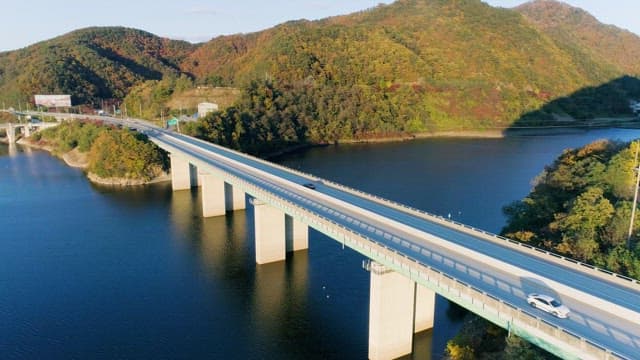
78	160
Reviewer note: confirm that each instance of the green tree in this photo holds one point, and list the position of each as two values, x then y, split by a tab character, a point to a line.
588	215
122	154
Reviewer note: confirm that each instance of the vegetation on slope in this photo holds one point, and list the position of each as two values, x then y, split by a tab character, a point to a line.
90	64
417	65
111	152
580	207
590	40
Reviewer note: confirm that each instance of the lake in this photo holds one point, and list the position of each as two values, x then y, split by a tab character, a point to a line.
103	273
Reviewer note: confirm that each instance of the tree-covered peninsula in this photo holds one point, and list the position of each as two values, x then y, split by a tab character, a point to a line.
110	154
580	207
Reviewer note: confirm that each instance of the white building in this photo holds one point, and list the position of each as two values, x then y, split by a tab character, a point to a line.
205	108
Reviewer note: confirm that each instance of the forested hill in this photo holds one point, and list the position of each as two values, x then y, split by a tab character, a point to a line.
584	36
421	65
411	66
91	64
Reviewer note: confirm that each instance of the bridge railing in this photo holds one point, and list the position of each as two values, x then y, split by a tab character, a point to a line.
458	225
567	261
451	223
498	311
490	236
501	312
510	316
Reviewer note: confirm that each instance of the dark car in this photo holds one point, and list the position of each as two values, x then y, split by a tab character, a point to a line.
309	185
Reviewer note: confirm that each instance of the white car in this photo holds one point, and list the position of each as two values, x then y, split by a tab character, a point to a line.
548	304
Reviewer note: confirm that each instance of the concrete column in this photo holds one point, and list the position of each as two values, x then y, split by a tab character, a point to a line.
199	179
193	175
425	308
391	310
212	196
180	173
297	234
11	133
234	197
26	131
269	233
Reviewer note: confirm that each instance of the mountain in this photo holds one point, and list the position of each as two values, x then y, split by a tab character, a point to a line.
584	36
91	64
427	64
407	67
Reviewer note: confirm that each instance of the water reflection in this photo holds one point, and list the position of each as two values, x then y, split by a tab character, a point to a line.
12	149
185	208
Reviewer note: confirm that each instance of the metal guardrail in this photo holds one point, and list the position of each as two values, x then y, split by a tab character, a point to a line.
498	311
436	218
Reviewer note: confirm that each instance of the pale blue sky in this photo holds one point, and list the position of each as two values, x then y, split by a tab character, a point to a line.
25	22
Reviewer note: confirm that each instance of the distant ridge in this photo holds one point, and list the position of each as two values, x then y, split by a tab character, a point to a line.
575	28
91	64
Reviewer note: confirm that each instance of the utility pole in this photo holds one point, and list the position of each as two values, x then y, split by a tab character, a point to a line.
635	198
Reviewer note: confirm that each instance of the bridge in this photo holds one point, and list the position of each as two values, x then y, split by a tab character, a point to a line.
412	255
26	128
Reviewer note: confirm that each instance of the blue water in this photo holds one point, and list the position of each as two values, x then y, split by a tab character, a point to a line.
104	273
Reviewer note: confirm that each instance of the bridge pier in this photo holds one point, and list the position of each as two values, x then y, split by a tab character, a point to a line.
276	233
398	307
297	234
235	198
183	174
270	234
213	196
218	197
425	308
26	130
11	133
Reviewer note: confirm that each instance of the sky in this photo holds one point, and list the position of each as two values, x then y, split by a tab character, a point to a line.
25	22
